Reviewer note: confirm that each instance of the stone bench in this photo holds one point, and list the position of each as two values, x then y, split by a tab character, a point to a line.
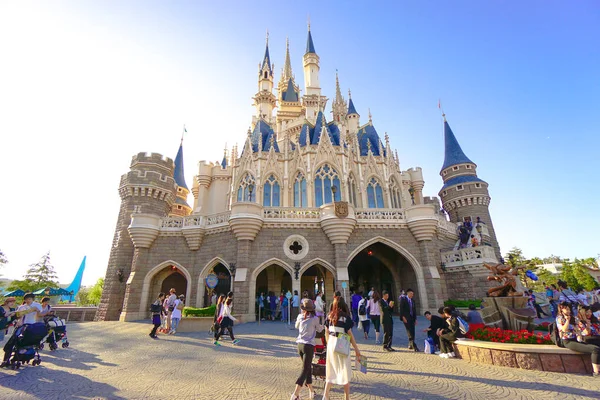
541	357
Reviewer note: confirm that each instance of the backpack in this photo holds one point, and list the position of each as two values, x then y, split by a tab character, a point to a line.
285	302
155	308
555	335
362	310
180	305
463	325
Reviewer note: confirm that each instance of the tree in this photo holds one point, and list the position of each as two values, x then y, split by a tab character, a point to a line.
42	273
82	297
25	285
95	293
585	280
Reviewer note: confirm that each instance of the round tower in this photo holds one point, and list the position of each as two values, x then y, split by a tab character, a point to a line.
148	188
465	196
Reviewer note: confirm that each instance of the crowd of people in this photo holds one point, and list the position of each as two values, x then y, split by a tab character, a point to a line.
166	313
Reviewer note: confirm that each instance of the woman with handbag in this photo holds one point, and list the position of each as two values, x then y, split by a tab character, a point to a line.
339	338
157	310
225	321
308	325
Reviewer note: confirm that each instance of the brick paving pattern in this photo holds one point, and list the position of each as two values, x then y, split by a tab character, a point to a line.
112	360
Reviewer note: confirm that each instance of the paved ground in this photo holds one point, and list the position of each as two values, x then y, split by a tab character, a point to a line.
114	360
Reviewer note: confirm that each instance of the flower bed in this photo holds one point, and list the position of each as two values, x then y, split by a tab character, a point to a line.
498	335
463	303
542	327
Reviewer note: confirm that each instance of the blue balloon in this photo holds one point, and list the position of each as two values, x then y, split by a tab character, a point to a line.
531	275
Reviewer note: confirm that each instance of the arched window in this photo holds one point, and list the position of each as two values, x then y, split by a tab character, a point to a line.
325	178
246	190
374	194
352	190
271	192
300	191
395	194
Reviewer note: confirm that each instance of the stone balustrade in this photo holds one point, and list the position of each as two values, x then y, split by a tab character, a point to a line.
468	256
291	213
387	214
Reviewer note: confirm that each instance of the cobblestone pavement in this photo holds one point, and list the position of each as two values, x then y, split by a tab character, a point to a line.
111	360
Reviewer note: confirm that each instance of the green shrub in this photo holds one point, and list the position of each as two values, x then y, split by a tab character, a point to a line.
463	303
199	312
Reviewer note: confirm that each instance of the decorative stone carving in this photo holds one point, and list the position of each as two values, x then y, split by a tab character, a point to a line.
422	221
338	230
143	229
295	247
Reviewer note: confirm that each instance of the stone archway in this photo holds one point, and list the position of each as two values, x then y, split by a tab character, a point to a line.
318	274
278	270
153	282
403	269
212	264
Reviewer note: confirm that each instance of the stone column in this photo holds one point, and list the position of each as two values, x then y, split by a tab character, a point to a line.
245	222
144	229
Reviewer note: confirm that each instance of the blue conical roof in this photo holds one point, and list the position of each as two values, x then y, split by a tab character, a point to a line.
351	109
310	46
453	153
263	132
367	135
290	93
311	135
267	60
224	162
178	173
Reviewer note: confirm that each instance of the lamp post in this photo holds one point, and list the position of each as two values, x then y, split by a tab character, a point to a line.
334	191
296	270
232	273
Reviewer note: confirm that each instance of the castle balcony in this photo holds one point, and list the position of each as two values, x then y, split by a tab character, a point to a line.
175	224
470	256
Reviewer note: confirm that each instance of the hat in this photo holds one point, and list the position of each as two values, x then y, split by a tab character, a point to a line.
307	305
9	299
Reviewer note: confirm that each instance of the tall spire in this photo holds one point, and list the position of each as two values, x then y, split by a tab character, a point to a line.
453	154
351	108
267	59
310	46
287	67
178	172
338	91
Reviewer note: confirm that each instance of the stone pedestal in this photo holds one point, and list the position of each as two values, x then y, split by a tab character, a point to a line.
508	313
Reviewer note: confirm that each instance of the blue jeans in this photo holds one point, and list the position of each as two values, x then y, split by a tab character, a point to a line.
174	323
284	312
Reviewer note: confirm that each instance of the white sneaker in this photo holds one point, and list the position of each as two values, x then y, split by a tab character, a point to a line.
437	352
444	355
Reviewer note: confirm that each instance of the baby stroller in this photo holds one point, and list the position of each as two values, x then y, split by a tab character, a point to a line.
57	331
319	362
24	344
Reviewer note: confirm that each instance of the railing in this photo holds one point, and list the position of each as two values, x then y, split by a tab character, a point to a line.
447	226
379	214
217	219
468	256
291	213
175	223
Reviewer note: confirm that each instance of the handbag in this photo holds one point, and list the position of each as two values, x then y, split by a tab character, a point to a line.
342	344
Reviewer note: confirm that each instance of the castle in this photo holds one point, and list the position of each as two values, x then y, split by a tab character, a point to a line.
307	204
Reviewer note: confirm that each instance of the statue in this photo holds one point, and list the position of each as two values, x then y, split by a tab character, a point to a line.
510	285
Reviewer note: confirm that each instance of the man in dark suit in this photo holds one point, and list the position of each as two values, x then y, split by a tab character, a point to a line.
408	315
386	308
437	322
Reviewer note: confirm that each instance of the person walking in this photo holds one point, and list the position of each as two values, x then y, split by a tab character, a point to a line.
375	313
295	305
177	314
385	309
285	309
308	325
156	310
216	321
408	315
225	321
170	307
569	329
356	297
363	316
6	313
338	370
319	306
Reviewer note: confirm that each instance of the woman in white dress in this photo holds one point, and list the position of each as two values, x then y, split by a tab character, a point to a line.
338	368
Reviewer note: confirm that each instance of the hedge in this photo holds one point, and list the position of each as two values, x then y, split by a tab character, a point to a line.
199	312
463	303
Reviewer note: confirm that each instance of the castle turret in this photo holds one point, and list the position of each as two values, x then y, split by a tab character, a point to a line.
265	100
352	116
181	206
147	191
313	101
290	107
464	196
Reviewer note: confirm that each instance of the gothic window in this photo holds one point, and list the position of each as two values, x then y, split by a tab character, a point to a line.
246	190
352	190
374	194
300	191
395	194
271	192
326	178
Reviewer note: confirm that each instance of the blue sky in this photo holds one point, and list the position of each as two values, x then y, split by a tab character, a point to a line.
85	85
